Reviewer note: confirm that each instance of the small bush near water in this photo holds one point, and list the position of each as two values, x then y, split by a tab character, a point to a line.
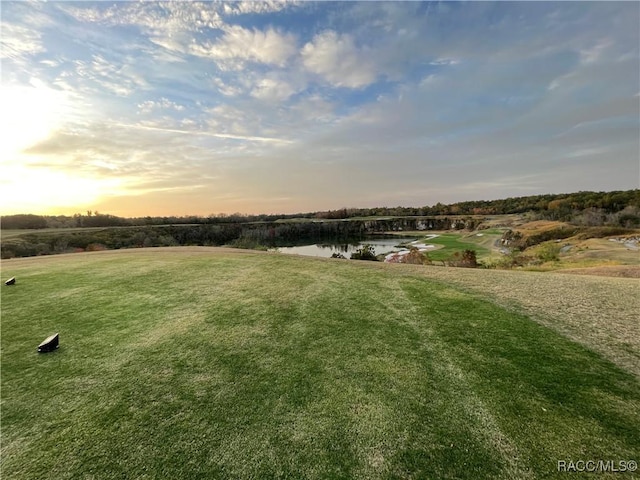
366	252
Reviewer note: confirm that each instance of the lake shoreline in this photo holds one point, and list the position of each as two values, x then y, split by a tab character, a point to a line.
383	244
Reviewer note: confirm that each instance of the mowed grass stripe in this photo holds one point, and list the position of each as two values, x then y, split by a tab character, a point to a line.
184	364
549	395
598	312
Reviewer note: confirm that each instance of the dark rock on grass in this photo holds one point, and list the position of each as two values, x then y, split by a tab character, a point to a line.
49	344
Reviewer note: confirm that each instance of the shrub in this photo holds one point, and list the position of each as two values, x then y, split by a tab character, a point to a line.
469	259
549	252
513	260
465	259
366	252
416	257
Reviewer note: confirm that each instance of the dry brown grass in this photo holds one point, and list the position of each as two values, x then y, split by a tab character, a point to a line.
539	226
603	256
597	311
619	271
512	220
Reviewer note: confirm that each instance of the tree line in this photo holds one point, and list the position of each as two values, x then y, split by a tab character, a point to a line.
620	208
244	235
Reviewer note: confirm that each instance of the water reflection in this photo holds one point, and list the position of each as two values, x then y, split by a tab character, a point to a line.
380	245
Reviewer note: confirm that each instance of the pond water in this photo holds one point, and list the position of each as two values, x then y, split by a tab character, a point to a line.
380	245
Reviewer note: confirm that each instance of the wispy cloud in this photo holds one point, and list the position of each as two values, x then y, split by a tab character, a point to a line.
239	45
336	58
17	41
206	134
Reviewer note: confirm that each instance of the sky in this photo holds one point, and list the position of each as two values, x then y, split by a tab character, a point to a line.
189	108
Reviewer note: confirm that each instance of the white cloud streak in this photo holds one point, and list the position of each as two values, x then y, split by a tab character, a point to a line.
17	41
247	138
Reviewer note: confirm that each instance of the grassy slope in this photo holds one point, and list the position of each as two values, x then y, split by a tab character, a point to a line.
449	243
453	242
599	312
204	363
592	252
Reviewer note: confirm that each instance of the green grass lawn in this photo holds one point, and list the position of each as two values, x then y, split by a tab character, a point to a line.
455	242
194	363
